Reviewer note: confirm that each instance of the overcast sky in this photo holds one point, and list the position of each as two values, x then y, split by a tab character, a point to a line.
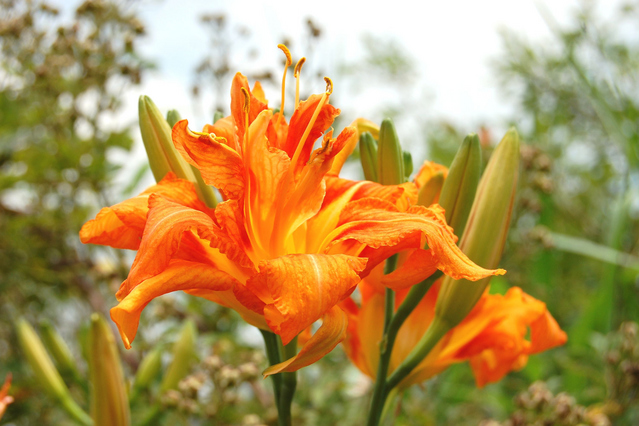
445	38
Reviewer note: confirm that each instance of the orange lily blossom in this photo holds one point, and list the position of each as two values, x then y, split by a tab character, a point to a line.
492	337
290	241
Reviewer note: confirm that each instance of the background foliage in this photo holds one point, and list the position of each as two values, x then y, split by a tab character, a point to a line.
572	243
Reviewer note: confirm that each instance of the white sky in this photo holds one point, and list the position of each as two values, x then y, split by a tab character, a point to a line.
453	43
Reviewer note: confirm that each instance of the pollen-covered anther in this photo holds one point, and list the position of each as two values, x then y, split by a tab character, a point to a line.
329	85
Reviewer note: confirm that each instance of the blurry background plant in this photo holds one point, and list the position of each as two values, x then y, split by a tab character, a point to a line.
573	242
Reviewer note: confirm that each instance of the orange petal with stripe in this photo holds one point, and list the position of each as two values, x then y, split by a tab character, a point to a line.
332	331
378	224
167	225
220	165
299	288
179	275
122	225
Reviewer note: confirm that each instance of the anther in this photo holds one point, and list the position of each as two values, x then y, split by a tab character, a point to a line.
329	85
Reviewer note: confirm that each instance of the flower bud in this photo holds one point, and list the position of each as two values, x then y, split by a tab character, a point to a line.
45	371
59	350
368	156
148	370
183	357
429	192
163	157
486	230
458	192
408	164
172	117
390	160
109	400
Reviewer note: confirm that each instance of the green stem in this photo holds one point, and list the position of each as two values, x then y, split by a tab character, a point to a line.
437	329
385	350
289	383
381	390
271	342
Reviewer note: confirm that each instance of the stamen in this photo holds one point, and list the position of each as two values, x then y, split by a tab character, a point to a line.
296	74
289	62
307	131
247	108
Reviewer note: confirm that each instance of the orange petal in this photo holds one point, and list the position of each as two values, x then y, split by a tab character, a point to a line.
342	156
332	331
180	275
299	288
223	128
402	195
300	120
237	104
427	171
219	165
419	265
498	327
122	225
378	224
302	203
167	224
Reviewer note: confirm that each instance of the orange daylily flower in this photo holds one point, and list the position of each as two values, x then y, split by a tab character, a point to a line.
5	398
291	240
492	337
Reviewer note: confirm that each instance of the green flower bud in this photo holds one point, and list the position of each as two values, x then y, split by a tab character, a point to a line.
163	157
172	117
148	370
430	190
390	160
46	373
459	190
183	357
486	230
59	350
217	116
408	164
109	400
368	156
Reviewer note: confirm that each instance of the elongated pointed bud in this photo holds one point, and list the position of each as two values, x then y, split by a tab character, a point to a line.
429	192
172	117
458	192
59	350
109	400
156	135
408	164
163	157
148	370
368	156
217	116
390	160
486	231
46	373
183	357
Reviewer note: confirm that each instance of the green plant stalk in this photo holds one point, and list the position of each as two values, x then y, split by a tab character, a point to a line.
385	349
289	383
437	329
274	357
414	296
